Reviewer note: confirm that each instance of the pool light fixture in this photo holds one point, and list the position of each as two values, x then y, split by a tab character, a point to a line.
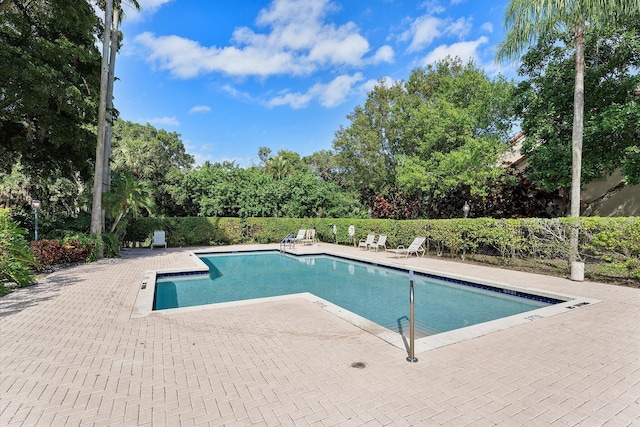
35	204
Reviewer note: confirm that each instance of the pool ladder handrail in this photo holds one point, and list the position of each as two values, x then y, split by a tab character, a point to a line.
290	239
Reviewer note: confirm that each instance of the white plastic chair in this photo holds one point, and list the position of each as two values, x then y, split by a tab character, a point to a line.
381	243
158	239
366	244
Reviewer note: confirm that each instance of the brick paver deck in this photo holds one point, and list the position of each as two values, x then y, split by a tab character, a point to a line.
70	354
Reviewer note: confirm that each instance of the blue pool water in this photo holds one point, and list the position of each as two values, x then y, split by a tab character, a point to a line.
376	293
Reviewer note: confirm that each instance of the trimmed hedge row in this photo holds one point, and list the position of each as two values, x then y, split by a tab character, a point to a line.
612	243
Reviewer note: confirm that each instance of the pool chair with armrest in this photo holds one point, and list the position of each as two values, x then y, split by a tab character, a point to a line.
310	237
366	244
302	233
381	243
158	239
414	248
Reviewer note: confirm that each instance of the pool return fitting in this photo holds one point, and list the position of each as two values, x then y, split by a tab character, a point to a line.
412	357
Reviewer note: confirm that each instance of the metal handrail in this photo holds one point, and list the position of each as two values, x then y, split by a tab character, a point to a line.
412	338
290	239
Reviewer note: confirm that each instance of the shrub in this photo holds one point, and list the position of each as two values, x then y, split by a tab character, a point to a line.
610	242
16	259
55	252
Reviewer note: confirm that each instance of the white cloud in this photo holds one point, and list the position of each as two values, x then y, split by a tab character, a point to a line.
328	95
299	41
432	6
383	54
465	50
237	94
423	31
427	28
454	2
200	109
294	100
488	27
336	92
460	27
163	121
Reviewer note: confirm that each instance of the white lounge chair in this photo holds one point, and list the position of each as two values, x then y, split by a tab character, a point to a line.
414	248
381	243
158	239
366	244
302	233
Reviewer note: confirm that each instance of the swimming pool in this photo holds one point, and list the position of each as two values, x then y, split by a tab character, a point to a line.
374	292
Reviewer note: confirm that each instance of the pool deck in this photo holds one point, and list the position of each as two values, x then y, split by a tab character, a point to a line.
72	353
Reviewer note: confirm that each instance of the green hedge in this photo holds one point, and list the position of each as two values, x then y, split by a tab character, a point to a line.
609	246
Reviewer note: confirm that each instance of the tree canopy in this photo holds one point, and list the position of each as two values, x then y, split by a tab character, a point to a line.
49	83
441	130
612	108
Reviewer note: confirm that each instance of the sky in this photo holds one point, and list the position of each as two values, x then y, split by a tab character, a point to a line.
231	76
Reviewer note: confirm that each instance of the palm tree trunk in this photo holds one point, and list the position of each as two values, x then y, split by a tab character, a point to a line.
96	209
117	220
113	50
576	143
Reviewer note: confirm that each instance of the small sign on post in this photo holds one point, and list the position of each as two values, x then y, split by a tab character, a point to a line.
412	357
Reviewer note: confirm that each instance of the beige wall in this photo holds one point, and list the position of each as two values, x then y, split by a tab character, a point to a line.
622	202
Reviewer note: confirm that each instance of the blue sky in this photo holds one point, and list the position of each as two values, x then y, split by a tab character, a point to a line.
232	76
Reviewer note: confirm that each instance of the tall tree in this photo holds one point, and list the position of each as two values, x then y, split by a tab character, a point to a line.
449	129
366	161
49	80
611	108
526	21
154	155
98	177
116	41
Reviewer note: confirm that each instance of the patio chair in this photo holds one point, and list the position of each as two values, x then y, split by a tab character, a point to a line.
414	248
158	239
310	237
366	244
302	233
381	243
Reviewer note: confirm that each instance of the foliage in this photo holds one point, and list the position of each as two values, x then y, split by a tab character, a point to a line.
146	152
128	195
396	205
49	83
226	190
450	128
612	111
16	260
186	231
152	155
439	131
365	159
610	247
55	252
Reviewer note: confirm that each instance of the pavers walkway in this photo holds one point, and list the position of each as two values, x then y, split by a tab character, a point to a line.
71	355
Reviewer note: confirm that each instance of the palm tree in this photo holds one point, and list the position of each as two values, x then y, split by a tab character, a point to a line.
110	45
129	195
527	21
278	167
116	39
98	177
